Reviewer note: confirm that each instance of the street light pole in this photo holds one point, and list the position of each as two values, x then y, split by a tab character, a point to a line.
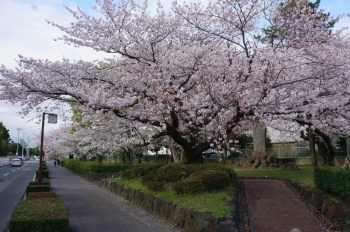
18	140
52	119
23	143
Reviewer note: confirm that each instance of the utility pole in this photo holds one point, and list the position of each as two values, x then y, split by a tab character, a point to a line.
27	147
24	143
18	140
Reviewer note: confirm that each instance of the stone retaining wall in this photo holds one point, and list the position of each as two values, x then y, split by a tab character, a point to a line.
335	210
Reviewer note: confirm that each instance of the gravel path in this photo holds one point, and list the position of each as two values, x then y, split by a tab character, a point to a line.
270	205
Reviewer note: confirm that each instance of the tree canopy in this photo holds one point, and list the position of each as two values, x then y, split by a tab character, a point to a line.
197	74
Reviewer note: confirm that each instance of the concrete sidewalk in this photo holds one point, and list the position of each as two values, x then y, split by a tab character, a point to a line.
4	164
92	209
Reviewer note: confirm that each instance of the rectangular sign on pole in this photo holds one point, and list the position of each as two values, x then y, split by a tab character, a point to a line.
23	144
52	118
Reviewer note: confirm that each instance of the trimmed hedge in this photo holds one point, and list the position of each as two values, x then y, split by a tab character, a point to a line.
31	195
39	215
334	180
38	188
93	166
44	173
46	182
139	171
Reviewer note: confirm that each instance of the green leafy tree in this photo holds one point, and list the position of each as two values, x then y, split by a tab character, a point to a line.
12	148
274	34
4	140
34	151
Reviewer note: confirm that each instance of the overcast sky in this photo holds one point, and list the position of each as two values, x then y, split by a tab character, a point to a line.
23	30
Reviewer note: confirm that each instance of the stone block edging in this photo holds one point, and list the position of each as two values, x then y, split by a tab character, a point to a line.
334	210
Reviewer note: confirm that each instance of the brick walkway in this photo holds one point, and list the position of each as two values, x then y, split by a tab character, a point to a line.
273	208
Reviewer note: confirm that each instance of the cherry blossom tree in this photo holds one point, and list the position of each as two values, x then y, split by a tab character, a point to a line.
197	74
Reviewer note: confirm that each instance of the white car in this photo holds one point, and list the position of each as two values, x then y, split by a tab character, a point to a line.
16	162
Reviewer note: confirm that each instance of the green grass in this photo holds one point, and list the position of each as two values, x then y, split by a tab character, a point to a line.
212	202
44	214
40	209
304	175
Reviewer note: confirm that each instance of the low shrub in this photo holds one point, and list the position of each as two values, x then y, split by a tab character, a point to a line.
155	185
112	168
209	180
187	178
334	180
153	181
38	215
44	173
63	162
172	173
232	175
139	171
95	167
38	188
212	180
32	195
42	183
188	186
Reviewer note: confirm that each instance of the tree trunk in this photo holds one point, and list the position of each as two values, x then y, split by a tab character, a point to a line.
222	158
167	155
139	156
124	157
183	156
174	154
130	156
347	159
326	147
99	159
322	149
312	148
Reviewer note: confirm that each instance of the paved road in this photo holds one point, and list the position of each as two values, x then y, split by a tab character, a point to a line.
13	183
91	208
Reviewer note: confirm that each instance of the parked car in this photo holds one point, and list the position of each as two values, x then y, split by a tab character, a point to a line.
16	162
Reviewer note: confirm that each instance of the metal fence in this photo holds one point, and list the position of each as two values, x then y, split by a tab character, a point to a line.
280	152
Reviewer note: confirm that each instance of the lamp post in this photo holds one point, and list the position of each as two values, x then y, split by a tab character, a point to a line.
17	140
23	144
52	119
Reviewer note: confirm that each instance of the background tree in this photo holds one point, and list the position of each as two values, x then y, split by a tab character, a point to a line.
341	145
4	140
34	151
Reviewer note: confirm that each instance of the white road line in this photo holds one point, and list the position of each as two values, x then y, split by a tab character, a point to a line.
13	170
6	174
